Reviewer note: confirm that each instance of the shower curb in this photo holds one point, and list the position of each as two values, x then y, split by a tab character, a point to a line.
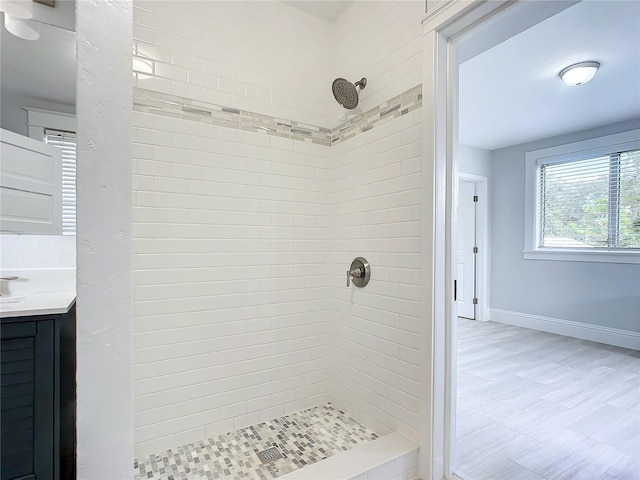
359	460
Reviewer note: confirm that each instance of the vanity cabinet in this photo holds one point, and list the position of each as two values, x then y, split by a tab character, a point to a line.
37	419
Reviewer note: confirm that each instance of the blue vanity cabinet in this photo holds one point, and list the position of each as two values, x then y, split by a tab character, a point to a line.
30	418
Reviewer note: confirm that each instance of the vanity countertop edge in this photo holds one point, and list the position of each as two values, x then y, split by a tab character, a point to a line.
49	303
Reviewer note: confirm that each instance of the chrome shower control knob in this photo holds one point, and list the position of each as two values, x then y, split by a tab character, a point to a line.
359	272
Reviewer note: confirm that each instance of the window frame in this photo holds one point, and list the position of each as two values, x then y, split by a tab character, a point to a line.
38	119
582	150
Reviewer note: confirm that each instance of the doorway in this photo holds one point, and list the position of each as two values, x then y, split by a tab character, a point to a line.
467	250
508	385
472	247
444	25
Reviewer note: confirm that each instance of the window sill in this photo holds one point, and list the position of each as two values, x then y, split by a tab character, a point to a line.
582	256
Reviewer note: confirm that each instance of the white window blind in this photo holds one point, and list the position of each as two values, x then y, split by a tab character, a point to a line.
66	141
592	203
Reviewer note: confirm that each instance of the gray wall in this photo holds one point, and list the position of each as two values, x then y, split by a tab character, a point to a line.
14	116
476	161
606	294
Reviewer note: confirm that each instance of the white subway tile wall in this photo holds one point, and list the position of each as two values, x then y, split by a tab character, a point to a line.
381	41
376	214
264	57
228	279
241	239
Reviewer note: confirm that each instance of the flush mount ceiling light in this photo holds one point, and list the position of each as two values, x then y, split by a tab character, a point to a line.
579	74
17	15
25	29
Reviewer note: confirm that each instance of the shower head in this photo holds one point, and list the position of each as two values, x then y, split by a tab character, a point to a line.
346	93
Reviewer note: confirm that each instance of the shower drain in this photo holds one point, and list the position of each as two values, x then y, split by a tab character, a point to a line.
269	455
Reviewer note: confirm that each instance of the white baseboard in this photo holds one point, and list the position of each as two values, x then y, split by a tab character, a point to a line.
569	328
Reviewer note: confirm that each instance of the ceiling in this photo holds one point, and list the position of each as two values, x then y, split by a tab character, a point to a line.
512	94
324	10
50	71
45	68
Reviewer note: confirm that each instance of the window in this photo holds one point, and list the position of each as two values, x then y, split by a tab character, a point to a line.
66	141
591	203
583	200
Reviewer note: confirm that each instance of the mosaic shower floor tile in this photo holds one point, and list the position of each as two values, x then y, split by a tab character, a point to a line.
301	438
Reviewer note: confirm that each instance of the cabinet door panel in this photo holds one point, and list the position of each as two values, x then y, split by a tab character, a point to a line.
16	379
18	401
15	355
21	389
18	366
17	424
17	407
30	374
13	466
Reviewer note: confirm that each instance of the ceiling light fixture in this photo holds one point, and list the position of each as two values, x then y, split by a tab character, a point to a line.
17	19
579	74
25	29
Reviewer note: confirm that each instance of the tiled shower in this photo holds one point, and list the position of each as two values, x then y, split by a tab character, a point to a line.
253	192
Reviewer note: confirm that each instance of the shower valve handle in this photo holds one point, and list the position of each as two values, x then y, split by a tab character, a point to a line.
354	272
359	272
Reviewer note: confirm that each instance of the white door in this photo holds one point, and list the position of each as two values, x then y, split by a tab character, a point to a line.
30	185
466	233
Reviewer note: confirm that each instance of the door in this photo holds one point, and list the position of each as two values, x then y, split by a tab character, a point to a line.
30	185
467	251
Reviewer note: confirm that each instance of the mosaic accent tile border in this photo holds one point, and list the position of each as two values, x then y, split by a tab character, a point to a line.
302	438
148	101
188	109
394	108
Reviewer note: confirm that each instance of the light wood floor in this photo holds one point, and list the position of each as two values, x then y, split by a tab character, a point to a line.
533	405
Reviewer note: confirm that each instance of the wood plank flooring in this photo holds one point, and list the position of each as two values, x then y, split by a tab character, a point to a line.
534	405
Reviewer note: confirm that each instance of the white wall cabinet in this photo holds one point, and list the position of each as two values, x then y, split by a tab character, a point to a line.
30	185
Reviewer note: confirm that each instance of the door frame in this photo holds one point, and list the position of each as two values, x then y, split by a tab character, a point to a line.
482	242
443	24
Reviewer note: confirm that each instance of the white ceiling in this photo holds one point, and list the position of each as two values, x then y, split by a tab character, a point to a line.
512	94
45	68
324	10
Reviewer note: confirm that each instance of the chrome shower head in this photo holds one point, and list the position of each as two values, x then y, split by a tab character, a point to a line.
346	93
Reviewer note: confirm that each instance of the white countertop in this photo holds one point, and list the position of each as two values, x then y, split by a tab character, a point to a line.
38	304
37	292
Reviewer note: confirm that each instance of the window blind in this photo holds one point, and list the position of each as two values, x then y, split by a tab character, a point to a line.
591	203
66	141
